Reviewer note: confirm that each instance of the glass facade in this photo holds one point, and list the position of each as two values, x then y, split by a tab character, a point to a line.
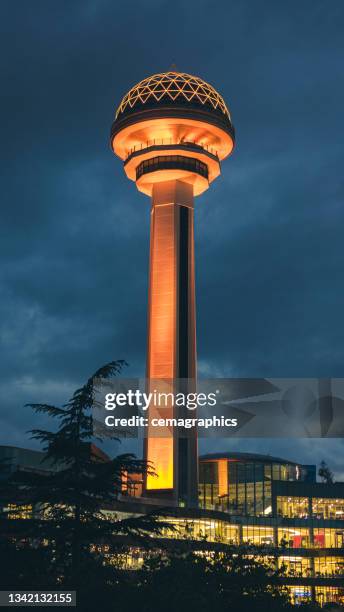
214	530
202	529
242	487
306	537
304	507
258	535
293	507
329	566
327	594
295	566
294	537
322	594
328	508
300	594
328	538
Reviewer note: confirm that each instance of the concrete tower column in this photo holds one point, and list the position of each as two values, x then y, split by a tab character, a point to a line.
171	342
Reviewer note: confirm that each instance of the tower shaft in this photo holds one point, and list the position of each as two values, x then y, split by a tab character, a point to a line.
171	351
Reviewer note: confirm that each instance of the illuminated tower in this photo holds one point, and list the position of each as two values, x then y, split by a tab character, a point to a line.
172	130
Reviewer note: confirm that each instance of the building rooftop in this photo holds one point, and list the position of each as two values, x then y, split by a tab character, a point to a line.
246	457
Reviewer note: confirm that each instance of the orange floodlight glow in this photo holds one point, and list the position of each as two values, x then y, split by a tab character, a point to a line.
223	476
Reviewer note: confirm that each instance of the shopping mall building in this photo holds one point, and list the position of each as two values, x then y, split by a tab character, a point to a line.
273	506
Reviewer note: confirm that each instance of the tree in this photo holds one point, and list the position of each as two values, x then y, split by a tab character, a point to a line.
218	581
72	499
325	473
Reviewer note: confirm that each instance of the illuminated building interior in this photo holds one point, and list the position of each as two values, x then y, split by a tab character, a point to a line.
242	484
209	530
16	511
328	508
293	507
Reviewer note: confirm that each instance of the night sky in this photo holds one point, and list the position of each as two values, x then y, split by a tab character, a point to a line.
75	232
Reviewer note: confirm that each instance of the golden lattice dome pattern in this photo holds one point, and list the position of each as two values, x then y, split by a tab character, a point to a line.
176	86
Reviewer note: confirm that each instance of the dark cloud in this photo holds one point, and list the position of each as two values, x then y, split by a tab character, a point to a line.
74	232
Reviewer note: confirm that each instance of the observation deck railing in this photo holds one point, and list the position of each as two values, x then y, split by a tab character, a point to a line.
171	142
172	162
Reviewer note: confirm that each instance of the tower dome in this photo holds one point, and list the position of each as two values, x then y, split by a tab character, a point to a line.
173	89
172	107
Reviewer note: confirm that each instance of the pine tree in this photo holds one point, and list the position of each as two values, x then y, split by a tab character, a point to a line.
325	473
71	500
